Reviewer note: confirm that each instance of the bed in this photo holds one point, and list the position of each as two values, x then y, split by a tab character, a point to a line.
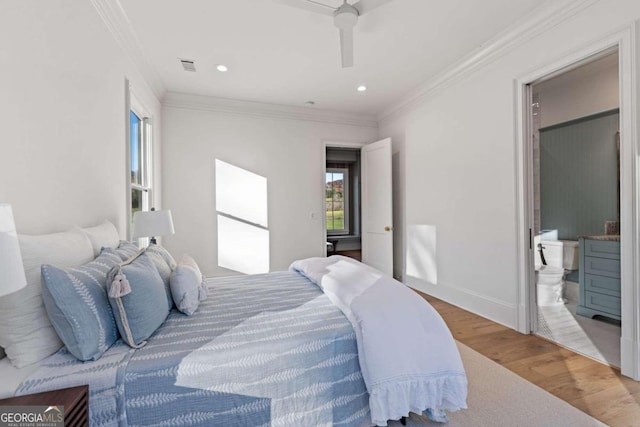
261	350
330	342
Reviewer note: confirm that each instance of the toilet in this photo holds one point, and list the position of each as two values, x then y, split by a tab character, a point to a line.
570	251
549	277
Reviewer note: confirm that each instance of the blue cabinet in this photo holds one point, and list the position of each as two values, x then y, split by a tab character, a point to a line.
599	278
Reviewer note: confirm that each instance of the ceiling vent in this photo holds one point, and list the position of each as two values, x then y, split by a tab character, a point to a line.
188	65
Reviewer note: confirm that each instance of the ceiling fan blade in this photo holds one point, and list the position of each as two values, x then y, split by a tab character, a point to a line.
346	47
366	6
309	5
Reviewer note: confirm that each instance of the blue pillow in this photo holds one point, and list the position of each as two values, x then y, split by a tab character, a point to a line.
78	307
163	254
138	299
127	250
165	264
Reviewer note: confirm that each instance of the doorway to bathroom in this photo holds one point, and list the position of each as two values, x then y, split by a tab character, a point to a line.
575	124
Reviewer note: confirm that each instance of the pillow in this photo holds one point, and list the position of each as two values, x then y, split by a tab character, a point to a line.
138	299
25	331
127	250
165	264
163	253
78	307
187	288
103	235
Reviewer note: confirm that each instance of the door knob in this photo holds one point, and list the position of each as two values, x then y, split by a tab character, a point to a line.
387	228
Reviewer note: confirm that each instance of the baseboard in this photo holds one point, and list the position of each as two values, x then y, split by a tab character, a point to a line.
490	308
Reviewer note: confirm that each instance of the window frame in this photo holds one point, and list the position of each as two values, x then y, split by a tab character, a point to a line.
345	202
145	139
145	164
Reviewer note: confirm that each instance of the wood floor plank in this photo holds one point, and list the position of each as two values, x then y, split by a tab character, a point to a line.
617	405
570	386
551	364
597	389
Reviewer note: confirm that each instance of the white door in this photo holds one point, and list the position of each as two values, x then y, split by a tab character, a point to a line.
377	207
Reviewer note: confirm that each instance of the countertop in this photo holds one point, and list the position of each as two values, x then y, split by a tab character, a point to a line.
609	237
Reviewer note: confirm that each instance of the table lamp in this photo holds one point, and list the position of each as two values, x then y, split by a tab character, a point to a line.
12	277
152	223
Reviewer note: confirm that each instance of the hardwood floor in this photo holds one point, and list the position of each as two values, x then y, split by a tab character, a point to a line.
590	386
351	254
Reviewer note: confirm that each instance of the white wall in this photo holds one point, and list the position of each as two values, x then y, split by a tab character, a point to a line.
458	149
62	110
590	89
287	152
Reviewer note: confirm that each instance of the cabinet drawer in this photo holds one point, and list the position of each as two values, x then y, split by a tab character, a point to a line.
602	284
604	303
602	248
602	266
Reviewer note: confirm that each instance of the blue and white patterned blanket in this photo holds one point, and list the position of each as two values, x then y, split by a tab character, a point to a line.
261	350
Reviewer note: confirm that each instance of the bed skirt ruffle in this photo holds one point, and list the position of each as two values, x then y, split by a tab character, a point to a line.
390	400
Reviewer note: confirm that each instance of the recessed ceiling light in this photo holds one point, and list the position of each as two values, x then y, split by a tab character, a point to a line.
222	68
362	88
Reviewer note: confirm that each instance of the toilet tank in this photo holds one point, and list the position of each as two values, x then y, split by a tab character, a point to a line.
553	252
570	254
548	234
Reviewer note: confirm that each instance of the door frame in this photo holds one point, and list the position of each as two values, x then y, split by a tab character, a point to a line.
323	215
625	41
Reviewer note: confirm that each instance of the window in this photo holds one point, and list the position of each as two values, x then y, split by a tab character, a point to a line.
140	163
337	201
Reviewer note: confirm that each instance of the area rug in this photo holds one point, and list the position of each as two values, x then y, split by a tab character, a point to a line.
498	397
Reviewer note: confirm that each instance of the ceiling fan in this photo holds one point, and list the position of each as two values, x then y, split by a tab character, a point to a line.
345	18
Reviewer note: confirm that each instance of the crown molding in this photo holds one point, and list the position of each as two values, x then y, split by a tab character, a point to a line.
538	21
264	110
116	20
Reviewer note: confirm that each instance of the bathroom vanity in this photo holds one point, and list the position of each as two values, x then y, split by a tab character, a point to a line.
599	276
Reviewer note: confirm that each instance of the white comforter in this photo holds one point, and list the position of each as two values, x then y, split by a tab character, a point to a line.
408	358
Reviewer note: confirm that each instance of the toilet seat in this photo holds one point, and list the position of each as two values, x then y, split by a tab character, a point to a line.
548	270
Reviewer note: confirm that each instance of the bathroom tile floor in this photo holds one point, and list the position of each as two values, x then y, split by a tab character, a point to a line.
598	339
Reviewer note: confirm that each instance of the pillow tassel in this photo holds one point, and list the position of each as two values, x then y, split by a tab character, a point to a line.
120	286
114	291
126	287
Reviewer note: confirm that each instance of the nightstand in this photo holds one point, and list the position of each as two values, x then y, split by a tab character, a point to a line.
75	401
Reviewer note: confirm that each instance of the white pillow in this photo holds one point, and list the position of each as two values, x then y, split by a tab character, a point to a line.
186	284
25	331
103	235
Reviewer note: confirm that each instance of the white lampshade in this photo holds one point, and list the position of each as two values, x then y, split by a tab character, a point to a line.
152	223
12	277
